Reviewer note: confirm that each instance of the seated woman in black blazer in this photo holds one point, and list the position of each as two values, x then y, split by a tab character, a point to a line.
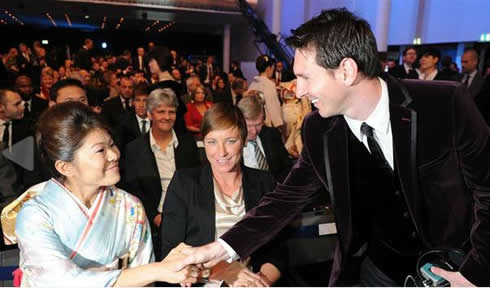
203	203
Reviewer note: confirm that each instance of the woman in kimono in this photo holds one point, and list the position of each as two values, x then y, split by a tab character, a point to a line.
81	230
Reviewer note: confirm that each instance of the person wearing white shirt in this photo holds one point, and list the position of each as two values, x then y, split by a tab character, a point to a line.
267	91
428	188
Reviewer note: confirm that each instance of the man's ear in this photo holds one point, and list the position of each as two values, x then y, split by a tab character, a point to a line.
349	70
64	168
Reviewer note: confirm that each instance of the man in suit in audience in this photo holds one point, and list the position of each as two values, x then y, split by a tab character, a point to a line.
33	105
208	71
115	109
265	149
405	164
24	59
471	78
83	60
281	75
140	61
13	128
136	122
152	159
406	70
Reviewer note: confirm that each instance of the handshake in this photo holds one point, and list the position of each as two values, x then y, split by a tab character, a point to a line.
201	264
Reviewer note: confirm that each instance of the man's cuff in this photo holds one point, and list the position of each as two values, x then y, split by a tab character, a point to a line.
229	250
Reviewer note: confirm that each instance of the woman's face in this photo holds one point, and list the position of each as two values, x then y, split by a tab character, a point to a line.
199	95
96	161
224	149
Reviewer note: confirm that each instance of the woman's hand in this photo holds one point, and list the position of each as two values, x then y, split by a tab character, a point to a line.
247	278
169	273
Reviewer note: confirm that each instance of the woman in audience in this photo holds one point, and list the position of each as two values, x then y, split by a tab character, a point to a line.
203	203
81	230
195	110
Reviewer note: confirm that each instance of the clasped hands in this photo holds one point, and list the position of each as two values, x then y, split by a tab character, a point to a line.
202	259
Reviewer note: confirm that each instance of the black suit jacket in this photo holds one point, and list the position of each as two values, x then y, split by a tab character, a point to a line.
136	66
142	177
275	153
130	129
476	84
399	72
113	112
82	59
189	213
37	106
441	146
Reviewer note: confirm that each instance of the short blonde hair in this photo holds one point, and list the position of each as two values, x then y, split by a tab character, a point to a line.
251	107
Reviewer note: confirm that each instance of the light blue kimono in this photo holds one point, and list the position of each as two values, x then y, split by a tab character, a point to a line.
63	243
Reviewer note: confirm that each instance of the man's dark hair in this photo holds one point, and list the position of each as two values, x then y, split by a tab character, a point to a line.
161	54
337	34
409	48
53	92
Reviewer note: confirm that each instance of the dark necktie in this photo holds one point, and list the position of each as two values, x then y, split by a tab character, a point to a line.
466	80
143	126
374	147
126	104
26	106
6	136
261	161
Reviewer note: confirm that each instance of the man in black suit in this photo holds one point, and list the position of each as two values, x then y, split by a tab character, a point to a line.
271	154
82	60
114	110
140	61
13	128
407	69
33	105
24	59
405	164
281	75
152	159
136	122
471	78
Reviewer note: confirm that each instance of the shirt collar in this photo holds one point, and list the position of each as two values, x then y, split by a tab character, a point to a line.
154	145
139	119
379	118
472	74
123	99
165	75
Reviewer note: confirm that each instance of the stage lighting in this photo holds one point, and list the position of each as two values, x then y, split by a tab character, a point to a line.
104	45
44	42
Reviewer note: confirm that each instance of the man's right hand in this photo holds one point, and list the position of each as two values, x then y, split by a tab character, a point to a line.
207	255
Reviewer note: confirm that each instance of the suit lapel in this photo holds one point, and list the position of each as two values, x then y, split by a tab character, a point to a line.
404	129
206	204
335	146
134	125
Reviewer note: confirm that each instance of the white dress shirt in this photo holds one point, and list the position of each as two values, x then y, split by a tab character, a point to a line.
471	75
431	76
249	159
123	103
3	131
140	123
165	162
379	120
